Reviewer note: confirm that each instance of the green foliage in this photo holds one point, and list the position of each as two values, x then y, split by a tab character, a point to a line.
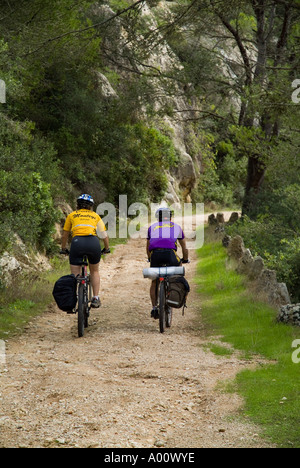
222	169
135	162
27	168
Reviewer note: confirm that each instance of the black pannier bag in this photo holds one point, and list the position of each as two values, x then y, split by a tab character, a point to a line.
178	292
65	293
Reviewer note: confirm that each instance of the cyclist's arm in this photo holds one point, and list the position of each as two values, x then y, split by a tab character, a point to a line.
64	239
147	249
102	233
185	251
105	238
66	232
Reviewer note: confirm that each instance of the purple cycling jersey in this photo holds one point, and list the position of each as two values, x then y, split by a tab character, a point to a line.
164	235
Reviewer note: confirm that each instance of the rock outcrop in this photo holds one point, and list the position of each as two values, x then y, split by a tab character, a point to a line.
161	59
20	260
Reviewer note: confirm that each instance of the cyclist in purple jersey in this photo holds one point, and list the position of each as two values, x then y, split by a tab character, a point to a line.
162	245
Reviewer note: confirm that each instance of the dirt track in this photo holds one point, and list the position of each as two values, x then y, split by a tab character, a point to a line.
123	384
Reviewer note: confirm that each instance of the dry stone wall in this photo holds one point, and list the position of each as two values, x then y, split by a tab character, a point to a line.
264	280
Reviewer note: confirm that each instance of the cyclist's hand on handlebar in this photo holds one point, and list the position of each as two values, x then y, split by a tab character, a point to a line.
105	251
64	252
185	261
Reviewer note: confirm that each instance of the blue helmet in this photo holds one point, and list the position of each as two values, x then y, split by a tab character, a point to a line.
85	200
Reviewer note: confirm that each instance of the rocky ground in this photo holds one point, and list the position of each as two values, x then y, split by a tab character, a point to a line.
124	384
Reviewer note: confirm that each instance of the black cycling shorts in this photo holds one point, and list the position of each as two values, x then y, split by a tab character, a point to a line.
164	257
85	245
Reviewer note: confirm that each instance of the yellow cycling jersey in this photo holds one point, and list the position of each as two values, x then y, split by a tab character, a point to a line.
84	223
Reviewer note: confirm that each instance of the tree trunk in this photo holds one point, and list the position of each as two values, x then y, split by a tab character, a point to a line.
256	168
255	177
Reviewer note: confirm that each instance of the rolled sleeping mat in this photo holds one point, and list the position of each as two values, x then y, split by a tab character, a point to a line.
153	273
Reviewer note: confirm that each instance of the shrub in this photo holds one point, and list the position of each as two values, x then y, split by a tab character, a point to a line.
29	177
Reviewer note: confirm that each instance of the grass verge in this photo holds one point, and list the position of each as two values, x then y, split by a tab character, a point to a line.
229	309
28	297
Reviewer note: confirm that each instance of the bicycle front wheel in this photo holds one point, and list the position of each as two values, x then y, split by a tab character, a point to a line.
162	308
81	310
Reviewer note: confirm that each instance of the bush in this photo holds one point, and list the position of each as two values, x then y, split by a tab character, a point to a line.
287	264
28	178
135	162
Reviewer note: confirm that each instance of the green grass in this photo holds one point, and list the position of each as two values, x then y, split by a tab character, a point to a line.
28	297
229	309
219	350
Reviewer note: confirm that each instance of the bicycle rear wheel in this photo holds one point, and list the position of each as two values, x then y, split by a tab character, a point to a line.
81	310
169	315
162	308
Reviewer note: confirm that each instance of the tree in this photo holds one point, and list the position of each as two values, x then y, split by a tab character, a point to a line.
265	33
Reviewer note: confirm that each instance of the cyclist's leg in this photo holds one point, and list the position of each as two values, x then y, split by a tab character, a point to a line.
75	270
95	278
155	262
94	256
153	293
75	256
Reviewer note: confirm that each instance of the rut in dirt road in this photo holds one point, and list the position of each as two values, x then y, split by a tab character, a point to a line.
124	384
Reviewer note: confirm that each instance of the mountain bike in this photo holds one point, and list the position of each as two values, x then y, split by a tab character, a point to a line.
162	276
84	295
165	311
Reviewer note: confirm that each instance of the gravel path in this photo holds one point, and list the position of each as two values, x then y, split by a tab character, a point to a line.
124	384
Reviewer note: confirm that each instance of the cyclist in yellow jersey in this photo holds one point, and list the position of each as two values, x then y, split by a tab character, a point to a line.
85	225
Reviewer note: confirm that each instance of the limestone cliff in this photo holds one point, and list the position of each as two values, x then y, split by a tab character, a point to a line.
161	61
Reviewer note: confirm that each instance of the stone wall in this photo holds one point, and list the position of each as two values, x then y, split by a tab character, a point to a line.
263	280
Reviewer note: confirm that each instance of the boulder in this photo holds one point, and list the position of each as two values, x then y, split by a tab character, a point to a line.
277	293
220	218
249	266
233	218
9	267
245	264
226	241
289	314
236	248
257	267
212	220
